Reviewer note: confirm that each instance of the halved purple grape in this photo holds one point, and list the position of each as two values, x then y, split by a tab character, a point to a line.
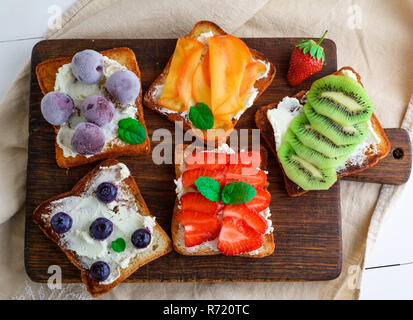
87	66
106	192
124	86
99	271
57	107
101	228
97	109
88	139
61	222
141	238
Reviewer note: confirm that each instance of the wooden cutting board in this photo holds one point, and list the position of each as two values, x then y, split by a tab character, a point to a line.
307	229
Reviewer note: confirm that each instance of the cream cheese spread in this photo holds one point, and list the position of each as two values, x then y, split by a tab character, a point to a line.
122	212
212	245
78	91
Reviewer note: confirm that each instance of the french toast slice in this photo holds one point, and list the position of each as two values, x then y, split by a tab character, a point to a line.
129	195
177	231
46	75
372	156
152	95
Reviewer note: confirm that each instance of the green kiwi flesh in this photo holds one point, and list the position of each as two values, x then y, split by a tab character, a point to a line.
339	134
304	173
341	99
316	158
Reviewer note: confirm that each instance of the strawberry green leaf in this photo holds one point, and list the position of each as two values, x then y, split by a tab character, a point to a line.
201	116
209	188
237	193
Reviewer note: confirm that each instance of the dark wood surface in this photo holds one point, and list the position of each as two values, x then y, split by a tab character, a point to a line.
396	167
307	229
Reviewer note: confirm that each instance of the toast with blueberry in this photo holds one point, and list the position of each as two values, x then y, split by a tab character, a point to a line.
206	60
372	146
104	227
228	224
94	102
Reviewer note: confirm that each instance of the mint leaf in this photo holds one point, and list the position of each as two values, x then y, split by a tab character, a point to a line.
201	116
131	131
119	245
237	193
209	188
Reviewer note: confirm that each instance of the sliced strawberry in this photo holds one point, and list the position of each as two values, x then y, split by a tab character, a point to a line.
196	201
251	175
206	160
250	158
237	237
252	218
198	227
261	200
189	176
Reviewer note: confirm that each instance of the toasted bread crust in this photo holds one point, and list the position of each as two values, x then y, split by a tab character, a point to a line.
94	288
152	103
292	188
46	76
266	249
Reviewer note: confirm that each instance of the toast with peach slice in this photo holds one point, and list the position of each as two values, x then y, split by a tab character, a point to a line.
169	91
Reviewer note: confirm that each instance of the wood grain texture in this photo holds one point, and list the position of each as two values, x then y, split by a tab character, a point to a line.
307	231
393	169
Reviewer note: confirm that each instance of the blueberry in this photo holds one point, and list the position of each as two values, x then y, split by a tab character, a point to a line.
61	222
88	138
57	107
124	86
97	109
99	271
141	238
100	229
87	66
106	192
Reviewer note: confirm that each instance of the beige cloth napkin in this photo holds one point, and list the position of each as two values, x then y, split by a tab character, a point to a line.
372	36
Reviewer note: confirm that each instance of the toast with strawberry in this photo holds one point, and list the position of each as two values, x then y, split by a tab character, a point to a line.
222	203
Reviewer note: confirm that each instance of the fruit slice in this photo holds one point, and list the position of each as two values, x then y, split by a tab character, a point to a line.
341	99
315	140
247	158
242	212
223	122
340	135
206	160
189	176
196	201
198	227
318	159
240	172
170	98
251	73
304	173
237	237
261	201
201	90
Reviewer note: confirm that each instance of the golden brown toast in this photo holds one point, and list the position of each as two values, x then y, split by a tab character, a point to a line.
151	96
46	76
177	231
160	244
293	190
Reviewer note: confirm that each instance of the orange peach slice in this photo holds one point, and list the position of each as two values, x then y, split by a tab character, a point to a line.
251	73
201	92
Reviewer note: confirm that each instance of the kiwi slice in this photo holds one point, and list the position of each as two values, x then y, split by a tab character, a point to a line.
341	99
304	173
313	139
340	135
318	159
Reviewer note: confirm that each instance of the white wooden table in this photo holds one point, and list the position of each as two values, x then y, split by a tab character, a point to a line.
22	25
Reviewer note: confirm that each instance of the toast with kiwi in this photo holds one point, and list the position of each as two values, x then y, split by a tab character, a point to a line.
352	145
86	203
151	98
115	59
211	247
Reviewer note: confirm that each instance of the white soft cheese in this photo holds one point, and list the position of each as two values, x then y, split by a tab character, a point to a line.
350	74
281	117
122	212
66	82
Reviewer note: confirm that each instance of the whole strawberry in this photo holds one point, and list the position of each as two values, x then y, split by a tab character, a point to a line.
306	59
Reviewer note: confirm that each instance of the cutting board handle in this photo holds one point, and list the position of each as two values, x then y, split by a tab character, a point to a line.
395	167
